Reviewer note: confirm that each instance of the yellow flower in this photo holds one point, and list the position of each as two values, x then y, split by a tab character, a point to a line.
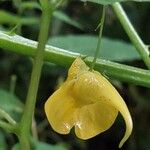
88	102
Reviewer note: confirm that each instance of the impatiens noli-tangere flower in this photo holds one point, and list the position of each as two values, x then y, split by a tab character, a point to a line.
88	102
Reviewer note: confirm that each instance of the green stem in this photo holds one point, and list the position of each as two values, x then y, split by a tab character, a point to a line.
8	127
13	84
7	117
20	45
99	39
19	26
26	120
134	37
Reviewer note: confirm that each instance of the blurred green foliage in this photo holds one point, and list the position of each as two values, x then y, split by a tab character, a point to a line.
115	50
73	28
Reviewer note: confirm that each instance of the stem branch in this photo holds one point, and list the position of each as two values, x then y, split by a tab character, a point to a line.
8	127
99	39
7	117
26	120
20	45
134	37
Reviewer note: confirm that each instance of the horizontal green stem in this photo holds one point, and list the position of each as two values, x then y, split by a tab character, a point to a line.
134	37
7	117
8	127
62	57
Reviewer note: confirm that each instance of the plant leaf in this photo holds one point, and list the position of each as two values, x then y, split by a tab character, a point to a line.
103	2
30	5
106	2
42	146
13	19
115	50
65	18
3	145
10	103
9	18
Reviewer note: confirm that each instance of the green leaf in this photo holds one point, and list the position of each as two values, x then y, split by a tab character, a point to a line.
6	17
115	50
30	5
9	18
57	14
42	146
10	103
106	2
13	19
65	18
3	145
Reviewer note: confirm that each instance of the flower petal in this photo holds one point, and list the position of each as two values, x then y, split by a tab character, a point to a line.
117	101
92	87
94	119
60	109
76	68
